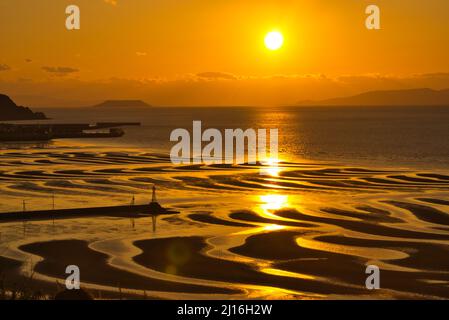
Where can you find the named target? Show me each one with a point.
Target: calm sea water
(384, 136)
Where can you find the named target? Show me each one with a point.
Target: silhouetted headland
(412, 97)
(122, 104)
(10, 111)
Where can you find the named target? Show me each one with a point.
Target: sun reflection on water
(272, 202)
(273, 227)
(271, 167)
(269, 203)
(284, 273)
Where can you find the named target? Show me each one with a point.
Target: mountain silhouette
(10, 111)
(412, 97)
(122, 104)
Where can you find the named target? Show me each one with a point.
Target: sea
(387, 136)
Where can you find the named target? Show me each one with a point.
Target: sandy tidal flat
(301, 230)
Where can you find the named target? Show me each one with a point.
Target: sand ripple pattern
(304, 230)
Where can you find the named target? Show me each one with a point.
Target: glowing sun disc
(274, 40)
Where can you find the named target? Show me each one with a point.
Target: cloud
(440, 75)
(141, 54)
(4, 67)
(111, 2)
(213, 89)
(24, 80)
(216, 75)
(60, 71)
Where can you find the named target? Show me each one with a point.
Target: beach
(306, 230)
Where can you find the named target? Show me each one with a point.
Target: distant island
(10, 111)
(412, 97)
(122, 104)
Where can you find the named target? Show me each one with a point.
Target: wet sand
(185, 257)
(302, 230)
(344, 268)
(58, 255)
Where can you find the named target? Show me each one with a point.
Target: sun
(274, 40)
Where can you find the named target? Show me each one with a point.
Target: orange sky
(211, 52)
